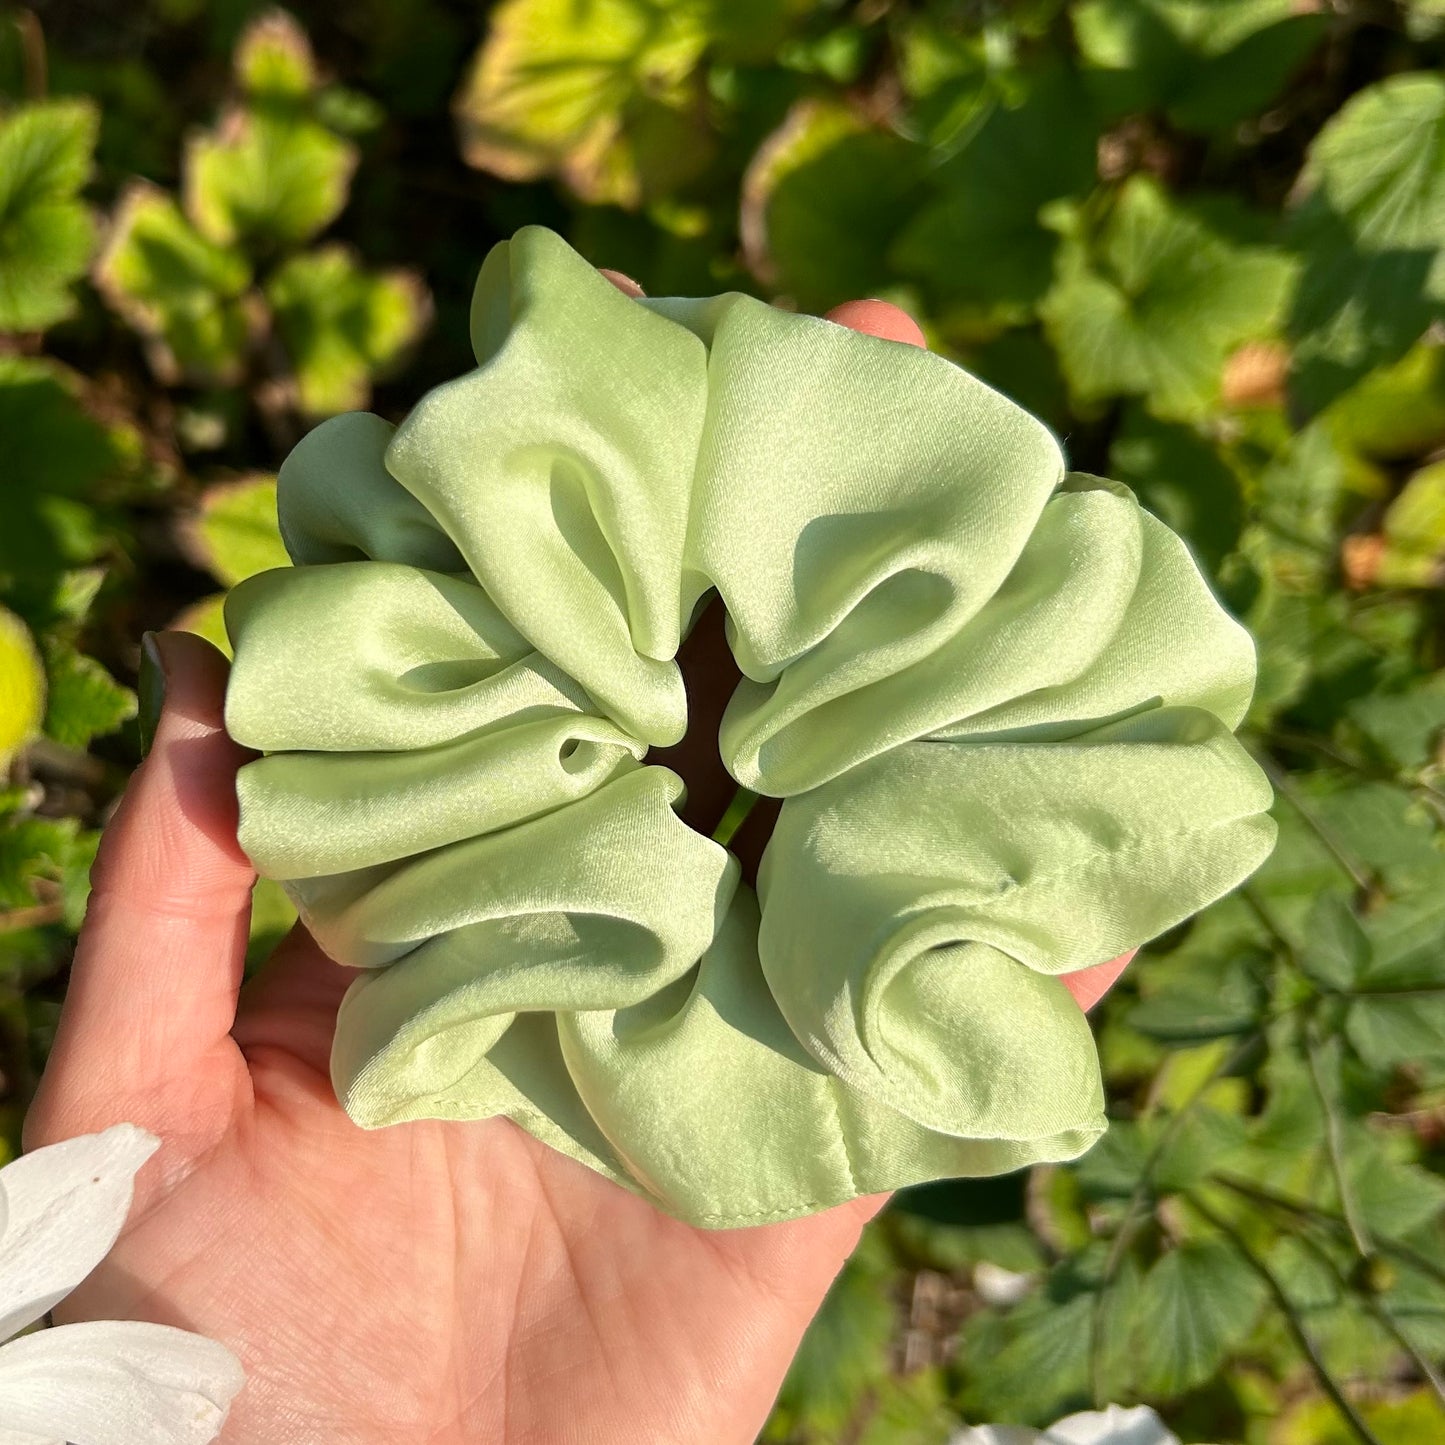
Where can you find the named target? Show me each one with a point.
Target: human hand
(430, 1282)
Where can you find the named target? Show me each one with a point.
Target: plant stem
(1303, 1209)
(1335, 1147)
(1361, 877)
(1270, 1280)
(1378, 1312)
(742, 804)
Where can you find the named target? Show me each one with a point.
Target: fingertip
(1089, 985)
(172, 844)
(623, 282)
(881, 319)
(191, 681)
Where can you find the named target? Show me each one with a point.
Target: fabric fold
(996, 699)
(1015, 862)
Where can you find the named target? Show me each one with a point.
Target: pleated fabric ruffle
(997, 700)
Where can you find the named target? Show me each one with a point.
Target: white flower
(1113, 1426)
(106, 1383)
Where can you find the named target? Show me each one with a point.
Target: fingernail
(150, 691)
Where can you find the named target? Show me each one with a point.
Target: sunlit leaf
(1153, 303)
(46, 233)
(1413, 554)
(602, 92)
(22, 686)
(343, 326)
(1207, 63)
(1397, 411)
(1371, 231)
(235, 534)
(205, 618)
(84, 700)
(823, 200)
(266, 178)
(181, 291)
(273, 59)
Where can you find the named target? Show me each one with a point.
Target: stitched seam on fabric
(833, 1082)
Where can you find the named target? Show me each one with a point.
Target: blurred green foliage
(1204, 239)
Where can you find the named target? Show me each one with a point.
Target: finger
(1089, 985)
(153, 987)
(290, 1004)
(879, 318)
(624, 283)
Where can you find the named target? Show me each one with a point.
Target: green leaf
(85, 700)
(1413, 554)
(1404, 730)
(1225, 1002)
(1196, 1306)
(179, 290)
(273, 60)
(981, 243)
(22, 687)
(1206, 63)
(1043, 1369)
(1395, 1196)
(1397, 412)
(1371, 230)
(1301, 495)
(207, 619)
(1153, 302)
(822, 202)
(267, 179)
(31, 849)
(46, 233)
(603, 93)
(911, 1410)
(343, 326)
(1408, 1028)
(57, 459)
(1336, 949)
(1183, 480)
(235, 534)
(272, 917)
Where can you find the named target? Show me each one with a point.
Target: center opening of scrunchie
(710, 674)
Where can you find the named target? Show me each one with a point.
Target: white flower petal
(64, 1207)
(1112, 1426)
(17, 1437)
(118, 1383)
(988, 1435)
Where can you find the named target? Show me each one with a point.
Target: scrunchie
(997, 700)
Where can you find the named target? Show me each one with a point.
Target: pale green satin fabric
(997, 700)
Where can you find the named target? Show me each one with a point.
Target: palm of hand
(437, 1282)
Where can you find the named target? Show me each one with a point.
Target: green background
(1203, 239)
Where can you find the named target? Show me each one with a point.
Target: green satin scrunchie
(997, 700)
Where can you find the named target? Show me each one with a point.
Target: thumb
(152, 992)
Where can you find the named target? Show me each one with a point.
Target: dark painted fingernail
(150, 691)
